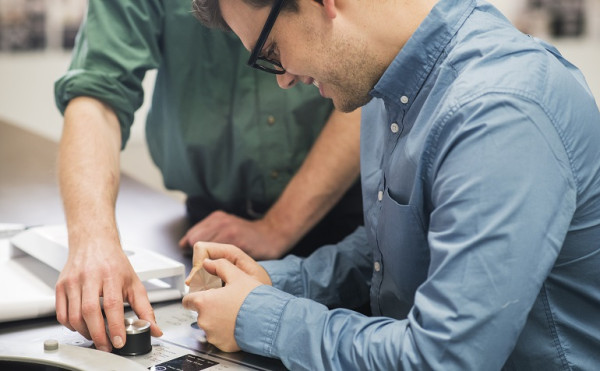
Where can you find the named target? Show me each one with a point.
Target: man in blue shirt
(481, 186)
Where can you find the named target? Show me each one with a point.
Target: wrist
(280, 233)
(93, 234)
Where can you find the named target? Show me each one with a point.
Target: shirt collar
(406, 74)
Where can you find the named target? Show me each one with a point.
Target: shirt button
(404, 99)
(271, 120)
(380, 195)
(377, 266)
(394, 128)
(274, 174)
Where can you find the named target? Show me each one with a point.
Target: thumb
(223, 269)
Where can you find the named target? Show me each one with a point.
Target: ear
(330, 8)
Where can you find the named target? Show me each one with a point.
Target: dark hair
(209, 11)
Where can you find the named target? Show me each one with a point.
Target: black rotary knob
(138, 338)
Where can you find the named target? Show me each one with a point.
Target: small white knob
(50, 345)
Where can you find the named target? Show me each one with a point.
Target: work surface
(29, 195)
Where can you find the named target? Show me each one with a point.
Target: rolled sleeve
(117, 43)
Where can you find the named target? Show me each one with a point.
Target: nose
(286, 80)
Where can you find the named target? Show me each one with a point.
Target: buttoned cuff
(258, 320)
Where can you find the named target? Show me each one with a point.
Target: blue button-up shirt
(480, 165)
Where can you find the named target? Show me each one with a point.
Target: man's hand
(329, 170)
(259, 238)
(214, 251)
(96, 267)
(218, 308)
(99, 272)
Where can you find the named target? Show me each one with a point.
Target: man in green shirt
(226, 135)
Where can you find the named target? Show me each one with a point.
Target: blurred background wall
(36, 37)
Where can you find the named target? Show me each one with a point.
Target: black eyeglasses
(256, 60)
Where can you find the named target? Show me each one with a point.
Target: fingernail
(118, 342)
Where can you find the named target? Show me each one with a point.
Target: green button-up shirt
(217, 129)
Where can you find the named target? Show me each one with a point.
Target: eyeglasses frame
(262, 39)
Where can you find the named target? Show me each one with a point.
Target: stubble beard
(355, 77)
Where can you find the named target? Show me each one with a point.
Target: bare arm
(96, 266)
(89, 168)
(328, 171)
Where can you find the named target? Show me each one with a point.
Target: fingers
(138, 300)
(183, 241)
(205, 230)
(113, 309)
(214, 250)
(233, 254)
(204, 250)
(75, 316)
(62, 314)
(223, 269)
(218, 308)
(190, 301)
(217, 313)
(232, 233)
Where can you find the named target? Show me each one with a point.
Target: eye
(272, 52)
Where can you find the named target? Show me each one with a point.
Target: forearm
(331, 167)
(88, 169)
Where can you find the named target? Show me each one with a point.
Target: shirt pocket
(404, 256)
